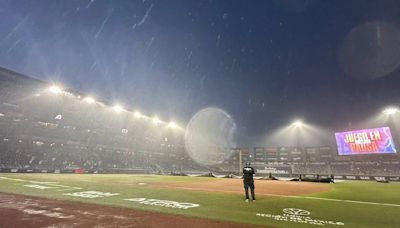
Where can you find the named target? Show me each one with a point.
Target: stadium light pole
(240, 162)
(392, 122)
(172, 125)
(117, 108)
(89, 100)
(298, 124)
(156, 120)
(55, 89)
(390, 111)
(137, 114)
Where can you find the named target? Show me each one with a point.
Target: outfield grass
(225, 206)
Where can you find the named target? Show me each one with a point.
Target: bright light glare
(137, 114)
(55, 89)
(390, 111)
(117, 108)
(89, 100)
(298, 123)
(156, 120)
(172, 125)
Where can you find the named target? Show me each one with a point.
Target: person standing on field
(248, 181)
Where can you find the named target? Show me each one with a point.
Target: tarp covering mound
(235, 176)
(179, 174)
(266, 178)
(206, 174)
(323, 179)
(220, 176)
(315, 179)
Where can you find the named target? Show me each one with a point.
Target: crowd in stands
(40, 129)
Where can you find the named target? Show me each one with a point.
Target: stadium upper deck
(42, 126)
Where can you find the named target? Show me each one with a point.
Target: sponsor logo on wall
(364, 178)
(394, 178)
(351, 177)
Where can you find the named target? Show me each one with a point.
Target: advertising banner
(366, 141)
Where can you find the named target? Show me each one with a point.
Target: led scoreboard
(365, 141)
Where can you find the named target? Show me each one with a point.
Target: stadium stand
(60, 131)
(43, 130)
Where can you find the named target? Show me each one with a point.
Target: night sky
(264, 62)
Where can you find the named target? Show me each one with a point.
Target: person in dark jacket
(248, 181)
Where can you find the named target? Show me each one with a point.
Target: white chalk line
(299, 197)
(52, 184)
(68, 189)
(348, 201)
(14, 179)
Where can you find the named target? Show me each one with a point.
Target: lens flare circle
(371, 51)
(209, 136)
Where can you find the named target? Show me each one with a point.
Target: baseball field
(89, 200)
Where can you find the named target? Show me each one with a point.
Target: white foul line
(53, 184)
(301, 197)
(349, 201)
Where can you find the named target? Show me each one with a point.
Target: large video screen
(365, 141)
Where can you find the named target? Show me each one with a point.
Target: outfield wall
(351, 177)
(78, 171)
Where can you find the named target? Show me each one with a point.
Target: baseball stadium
(71, 161)
(199, 113)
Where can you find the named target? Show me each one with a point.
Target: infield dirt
(23, 211)
(262, 187)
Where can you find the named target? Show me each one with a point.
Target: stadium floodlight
(172, 125)
(117, 108)
(55, 89)
(390, 111)
(137, 114)
(89, 100)
(156, 120)
(298, 123)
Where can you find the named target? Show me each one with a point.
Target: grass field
(347, 204)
